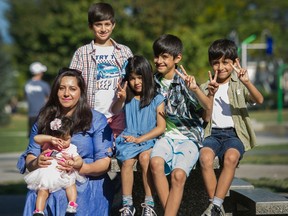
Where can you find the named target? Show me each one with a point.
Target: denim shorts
(222, 139)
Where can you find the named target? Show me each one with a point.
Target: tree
(51, 30)
(7, 87)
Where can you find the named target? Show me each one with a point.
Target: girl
(144, 113)
(50, 179)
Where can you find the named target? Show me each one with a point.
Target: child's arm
(121, 95)
(41, 139)
(155, 132)
(76, 163)
(190, 81)
(255, 95)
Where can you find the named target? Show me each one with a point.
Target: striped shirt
(84, 60)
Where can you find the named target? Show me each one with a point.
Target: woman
(93, 138)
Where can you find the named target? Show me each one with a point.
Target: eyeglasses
(66, 69)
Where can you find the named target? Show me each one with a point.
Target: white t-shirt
(221, 115)
(108, 74)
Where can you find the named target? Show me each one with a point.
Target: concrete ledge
(259, 202)
(239, 184)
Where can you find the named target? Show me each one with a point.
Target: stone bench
(250, 202)
(241, 199)
(195, 198)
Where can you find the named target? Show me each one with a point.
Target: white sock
(217, 201)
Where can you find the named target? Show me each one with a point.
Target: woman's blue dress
(95, 196)
(138, 122)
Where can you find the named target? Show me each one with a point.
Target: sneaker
(72, 207)
(147, 210)
(38, 213)
(214, 210)
(217, 211)
(127, 211)
(207, 212)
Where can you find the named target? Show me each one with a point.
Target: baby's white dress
(51, 177)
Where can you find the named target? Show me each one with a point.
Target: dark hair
(82, 116)
(222, 48)
(65, 129)
(168, 43)
(99, 12)
(140, 65)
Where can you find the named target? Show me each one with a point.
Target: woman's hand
(42, 161)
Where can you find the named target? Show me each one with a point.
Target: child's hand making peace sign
(241, 72)
(213, 86)
(121, 93)
(189, 80)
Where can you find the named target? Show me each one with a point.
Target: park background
(50, 31)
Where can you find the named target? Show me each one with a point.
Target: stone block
(259, 202)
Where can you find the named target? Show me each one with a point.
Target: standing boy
(102, 63)
(178, 151)
(36, 91)
(228, 133)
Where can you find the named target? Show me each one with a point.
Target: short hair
(140, 65)
(222, 48)
(168, 43)
(99, 12)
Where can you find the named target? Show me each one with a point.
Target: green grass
(271, 154)
(275, 185)
(265, 159)
(13, 137)
(268, 116)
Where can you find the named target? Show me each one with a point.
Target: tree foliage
(7, 87)
(50, 30)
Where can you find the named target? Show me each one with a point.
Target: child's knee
(156, 164)
(206, 158)
(128, 163)
(178, 177)
(231, 158)
(144, 158)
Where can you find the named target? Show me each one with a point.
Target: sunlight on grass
(13, 137)
(265, 159)
(270, 116)
(275, 185)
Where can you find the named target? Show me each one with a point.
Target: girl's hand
(241, 72)
(213, 86)
(121, 93)
(189, 80)
(57, 143)
(131, 139)
(66, 163)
